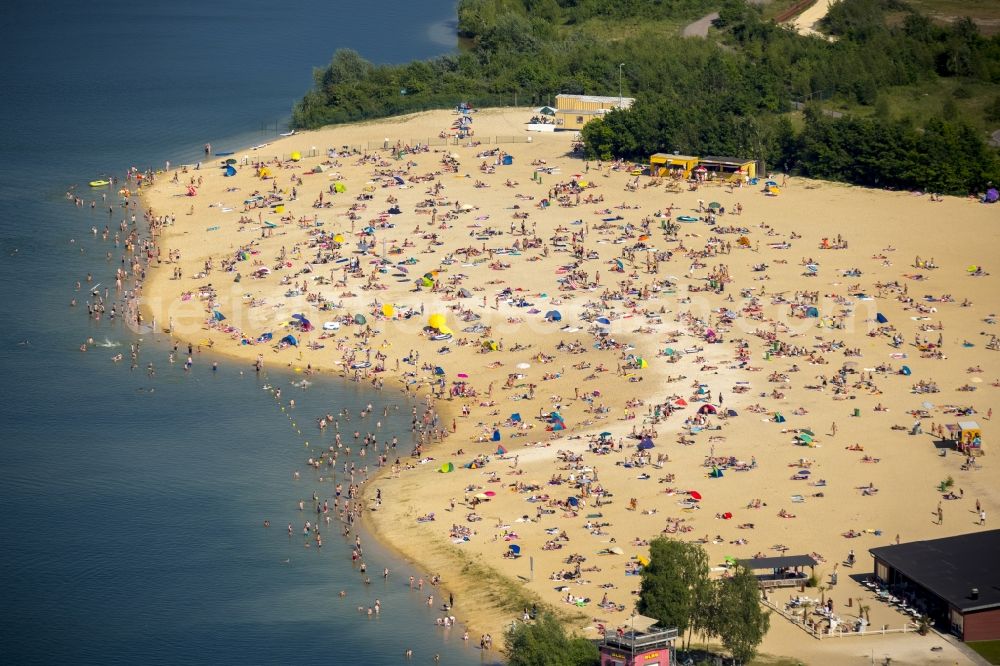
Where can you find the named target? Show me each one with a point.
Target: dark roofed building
(784, 570)
(957, 579)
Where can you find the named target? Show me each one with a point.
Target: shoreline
(655, 313)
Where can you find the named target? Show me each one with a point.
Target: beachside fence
(842, 631)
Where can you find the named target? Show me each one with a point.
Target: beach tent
(716, 473)
(514, 548)
(218, 316)
(812, 312)
(438, 370)
(447, 468)
(732, 412)
(646, 443)
(881, 318)
(778, 418)
(805, 438)
(515, 417)
(264, 172)
(191, 191)
(339, 187)
(496, 436)
(491, 345)
(230, 170)
(992, 196)
(501, 451)
(464, 293)
(266, 337)
(290, 339)
(707, 409)
(905, 370)
(553, 315)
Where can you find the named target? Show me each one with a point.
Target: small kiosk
(639, 642)
(662, 164)
(967, 435)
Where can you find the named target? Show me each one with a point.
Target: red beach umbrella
(695, 495)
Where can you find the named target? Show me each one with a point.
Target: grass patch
(504, 592)
(922, 101)
(986, 13)
(988, 650)
(702, 653)
(605, 30)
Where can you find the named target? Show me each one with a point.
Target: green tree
(675, 585)
(545, 643)
(739, 620)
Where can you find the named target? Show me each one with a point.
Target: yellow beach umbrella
(436, 320)
(296, 156)
(388, 310)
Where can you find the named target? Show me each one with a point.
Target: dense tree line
(678, 591)
(544, 642)
(731, 94)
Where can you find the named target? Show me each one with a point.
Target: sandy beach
(586, 298)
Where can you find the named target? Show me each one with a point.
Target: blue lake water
(132, 506)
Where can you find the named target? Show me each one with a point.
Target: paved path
(700, 27)
(804, 22)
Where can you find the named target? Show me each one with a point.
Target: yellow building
(729, 165)
(575, 111)
(661, 164)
